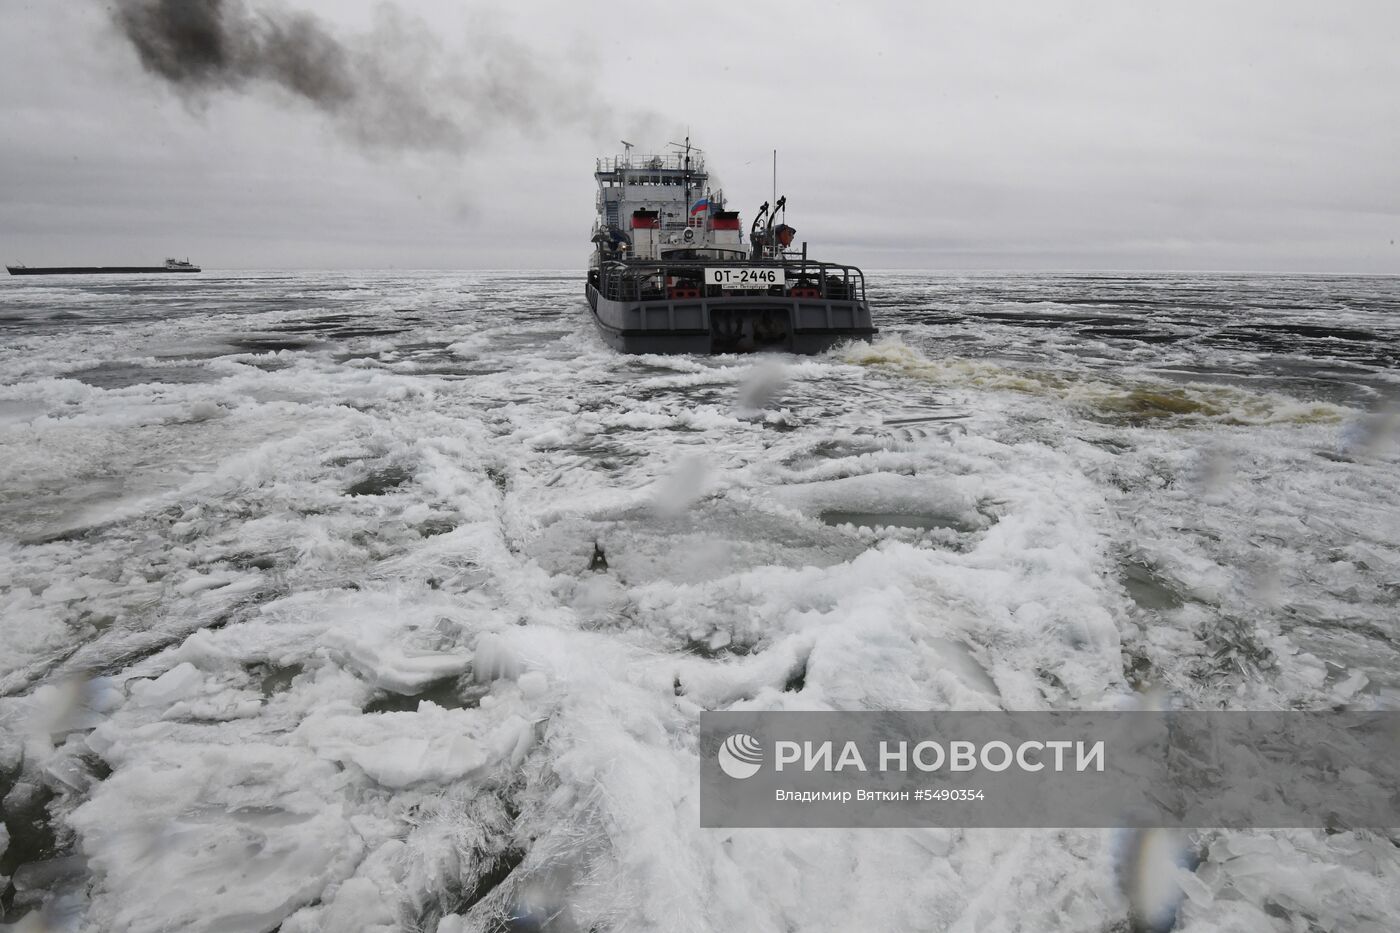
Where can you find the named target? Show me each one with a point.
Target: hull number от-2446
(744, 277)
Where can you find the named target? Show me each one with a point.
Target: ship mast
(685, 175)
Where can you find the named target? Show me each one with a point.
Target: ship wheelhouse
(649, 205)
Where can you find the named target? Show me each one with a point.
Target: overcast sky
(1029, 135)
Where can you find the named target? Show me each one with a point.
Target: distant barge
(171, 265)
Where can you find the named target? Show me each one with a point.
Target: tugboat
(171, 265)
(670, 272)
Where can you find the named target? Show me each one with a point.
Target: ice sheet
(363, 604)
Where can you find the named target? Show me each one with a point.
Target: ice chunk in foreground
(381, 654)
(179, 683)
(213, 837)
(433, 744)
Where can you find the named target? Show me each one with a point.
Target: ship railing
(674, 161)
(633, 280)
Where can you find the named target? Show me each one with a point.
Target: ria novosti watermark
(1132, 769)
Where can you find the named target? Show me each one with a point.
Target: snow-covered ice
(391, 601)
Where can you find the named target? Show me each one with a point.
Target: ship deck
(644, 306)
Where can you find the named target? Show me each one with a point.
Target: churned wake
(392, 601)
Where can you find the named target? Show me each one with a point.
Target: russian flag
(701, 205)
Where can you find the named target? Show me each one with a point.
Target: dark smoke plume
(394, 88)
